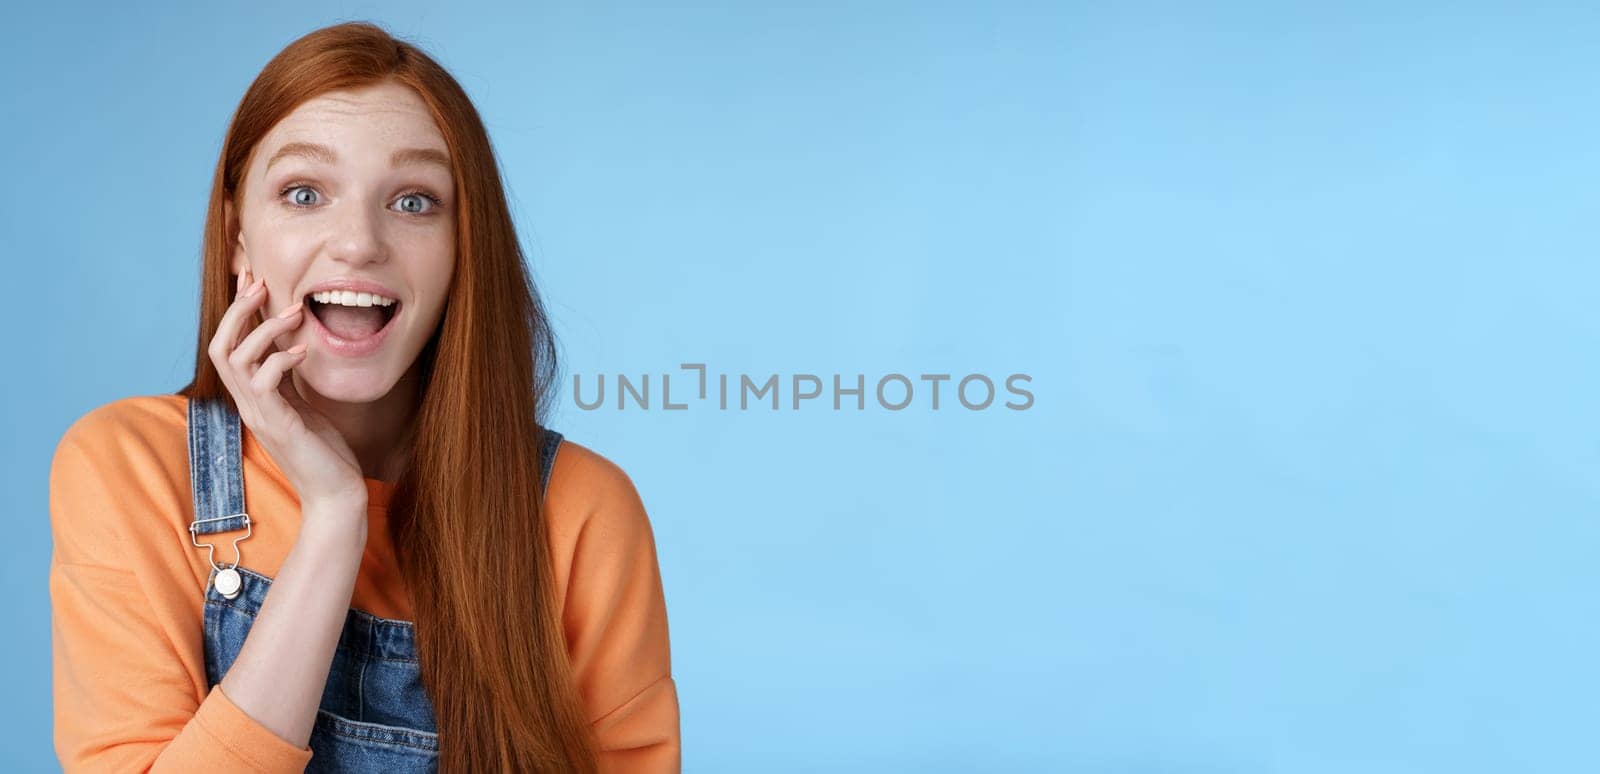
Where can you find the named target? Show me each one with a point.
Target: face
(353, 188)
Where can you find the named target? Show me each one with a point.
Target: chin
(349, 384)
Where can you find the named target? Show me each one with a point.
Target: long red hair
(467, 508)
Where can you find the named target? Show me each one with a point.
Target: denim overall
(375, 714)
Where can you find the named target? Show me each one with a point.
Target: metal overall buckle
(226, 581)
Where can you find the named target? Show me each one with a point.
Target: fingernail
(291, 311)
(297, 349)
(255, 286)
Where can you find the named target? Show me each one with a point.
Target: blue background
(1307, 296)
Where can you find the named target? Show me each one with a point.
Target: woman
(453, 586)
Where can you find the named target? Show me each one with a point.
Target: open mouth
(352, 323)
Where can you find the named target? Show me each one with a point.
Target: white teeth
(351, 298)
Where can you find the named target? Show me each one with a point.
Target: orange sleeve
(616, 622)
(125, 696)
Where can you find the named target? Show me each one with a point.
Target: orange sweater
(127, 587)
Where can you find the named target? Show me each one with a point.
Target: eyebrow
(323, 153)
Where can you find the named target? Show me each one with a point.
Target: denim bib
(375, 715)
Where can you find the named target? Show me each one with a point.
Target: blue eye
(299, 200)
(421, 196)
(412, 201)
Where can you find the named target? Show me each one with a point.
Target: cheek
(281, 246)
(429, 275)
(440, 279)
(438, 271)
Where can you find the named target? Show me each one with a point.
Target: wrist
(335, 520)
(346, 505)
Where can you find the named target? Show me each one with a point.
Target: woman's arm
(282, 668)
(128, 672)
(616, 614)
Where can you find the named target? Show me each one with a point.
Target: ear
(238, 260)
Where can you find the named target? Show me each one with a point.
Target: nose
(357, 238)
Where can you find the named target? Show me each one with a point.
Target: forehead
(365, 124)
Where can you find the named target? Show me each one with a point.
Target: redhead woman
(350, 543)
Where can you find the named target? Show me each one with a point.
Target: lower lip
(349, 347)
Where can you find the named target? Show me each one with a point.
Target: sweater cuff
(244, 738)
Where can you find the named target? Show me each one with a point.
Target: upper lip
(354, 285)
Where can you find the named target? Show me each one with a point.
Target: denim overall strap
(216, 468)
(547, 457)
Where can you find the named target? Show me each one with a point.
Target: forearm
(282, 668)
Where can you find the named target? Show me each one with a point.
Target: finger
(268, 380)
(221, 343)
(256, 344)
(228, 328)
(227, 336)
